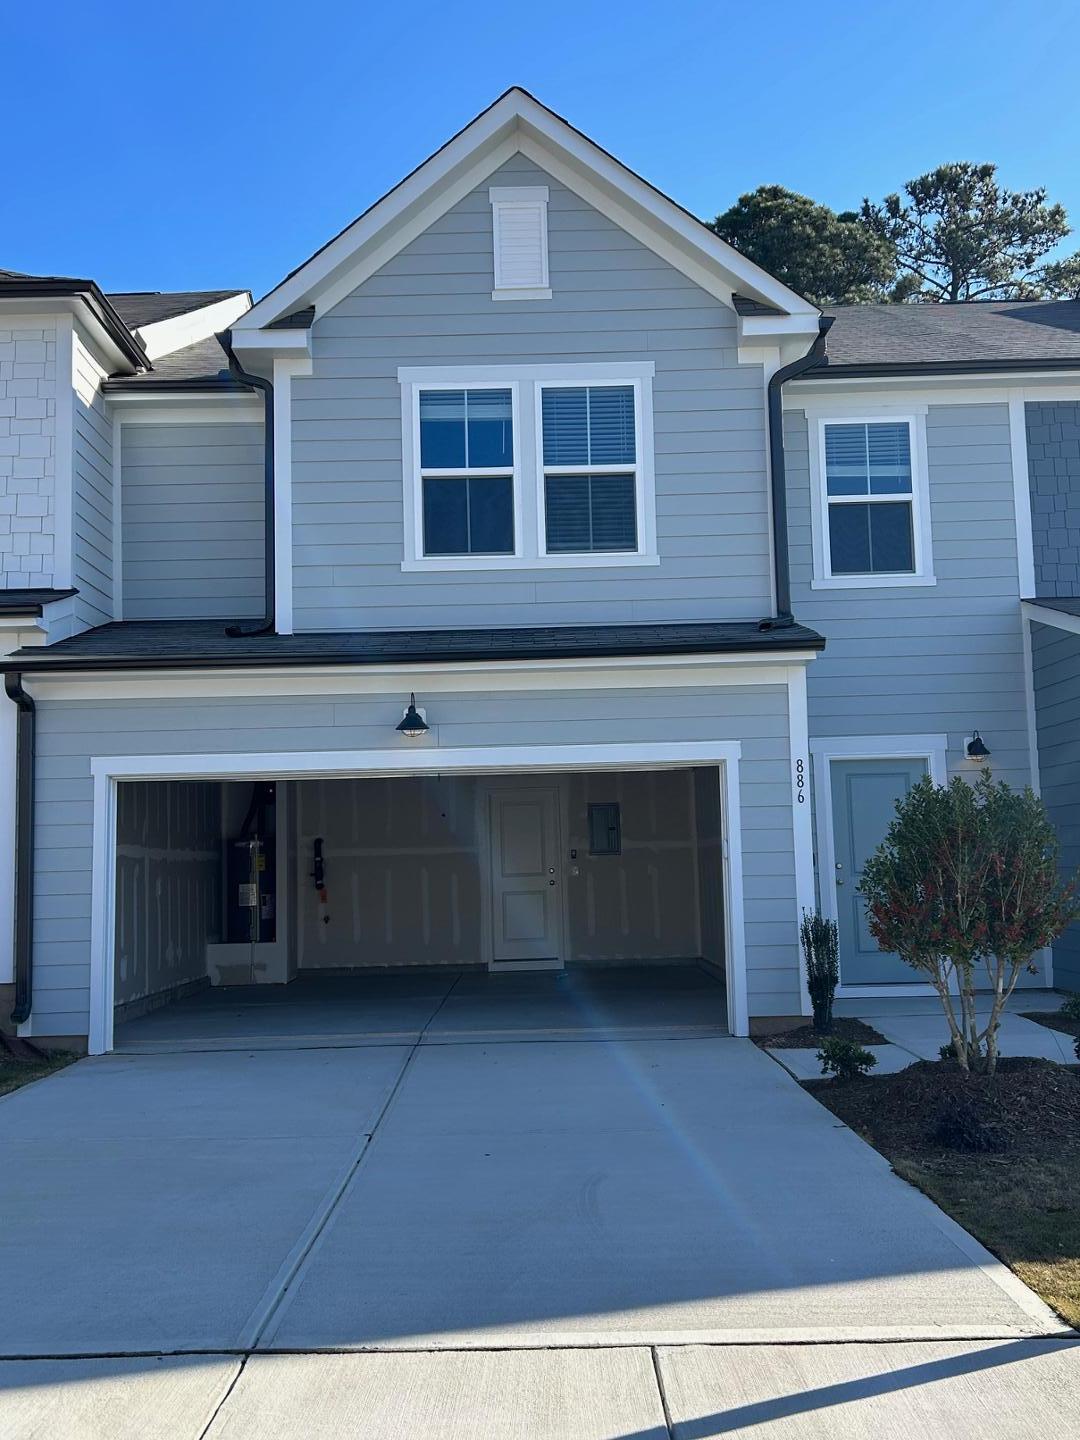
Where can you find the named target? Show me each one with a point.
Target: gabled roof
(148, 307)
(202, 366)
(969, 336)
(517, 122)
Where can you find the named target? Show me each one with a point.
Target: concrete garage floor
(438, 1006)
(503, 1239)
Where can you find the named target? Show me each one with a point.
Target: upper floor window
(528, 466)
(590, 468)
(467, 471)
(870, 504)
(519, 233)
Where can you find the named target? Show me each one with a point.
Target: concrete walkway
(539, 1238)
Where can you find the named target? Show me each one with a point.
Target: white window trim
(524, 197)
(931, 748)
(923, 574)
(526, 384)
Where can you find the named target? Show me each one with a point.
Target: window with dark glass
(590, 469)
(869, 498)
(466, 471)
(605, 829)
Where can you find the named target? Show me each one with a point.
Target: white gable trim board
(517, 123)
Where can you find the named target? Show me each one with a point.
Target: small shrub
(821, 948)
(845, 1059)
(1070, 1008)
(963, 1125)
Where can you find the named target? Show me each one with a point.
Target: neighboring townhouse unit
(528, 580)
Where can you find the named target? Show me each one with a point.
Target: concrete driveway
(586, 1237)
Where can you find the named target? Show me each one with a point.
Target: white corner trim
(284, 371)
(164, 336)
(801, 816)
(1028, 661)
(1025, 545)
(403, 760)
(64, 455)
(117, 519)
(922, 533)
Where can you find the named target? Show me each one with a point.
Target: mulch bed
(807, 1038)
(1021, 1194)
(1053, 1020)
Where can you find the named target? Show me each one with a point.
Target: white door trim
(932, 749)
(109, 770)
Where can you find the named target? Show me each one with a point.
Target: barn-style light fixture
(976, 748)
(412, 723)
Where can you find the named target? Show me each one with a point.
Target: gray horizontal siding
(1056, 667)
(70, 733)
(613, 299)
(946, 658)
(92, 497)
(192, 516)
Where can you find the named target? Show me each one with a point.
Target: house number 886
(800, 781)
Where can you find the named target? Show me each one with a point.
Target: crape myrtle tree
(965, 888)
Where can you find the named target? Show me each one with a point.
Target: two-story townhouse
(436, 610)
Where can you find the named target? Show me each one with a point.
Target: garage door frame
(110, 771)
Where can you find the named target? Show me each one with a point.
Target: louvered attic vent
(519, 229)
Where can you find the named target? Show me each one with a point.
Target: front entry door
(864, 796)
(526, 902)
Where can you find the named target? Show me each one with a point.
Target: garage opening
(319, 909)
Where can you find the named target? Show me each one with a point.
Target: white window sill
(600, 561)
(870, 582)
(535, 292)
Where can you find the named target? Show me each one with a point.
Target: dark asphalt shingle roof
(202, 364)
(147, 307)
(298, 320)
(30, 602)
(161, 644)
(1066, 606)
(955, 336)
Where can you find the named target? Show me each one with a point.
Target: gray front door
(864, 795)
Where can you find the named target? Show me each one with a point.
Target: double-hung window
(517, 466)
(873, 526)
(590, 469)
(467, 471)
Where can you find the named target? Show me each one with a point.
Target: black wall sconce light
(412, 723)
(976, 747)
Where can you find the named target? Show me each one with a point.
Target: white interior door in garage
(526, 878)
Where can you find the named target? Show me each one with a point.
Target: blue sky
(200, 145)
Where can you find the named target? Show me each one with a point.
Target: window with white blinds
(513, 466)
(590, 468)
(873, 516)
(520, 242)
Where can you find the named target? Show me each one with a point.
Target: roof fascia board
(1045, 615)
(1018, 372)
(517, 123)
(83, 299)
(273, 344)
(937, 390)
(101, 339)
(162, 337)
(488, 130)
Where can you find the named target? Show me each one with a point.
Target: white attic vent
(519, 227)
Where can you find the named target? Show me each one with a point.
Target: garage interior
(327, 910)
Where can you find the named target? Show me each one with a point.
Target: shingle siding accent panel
(192, 508)
(70, 733)
(28, 382)
(1056, 668)
(1053, 445)
(613, 299)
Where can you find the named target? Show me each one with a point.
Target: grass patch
(16, 1073)
(1022, 1201)
(807, 1038)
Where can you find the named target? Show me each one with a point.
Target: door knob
(551, 882)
